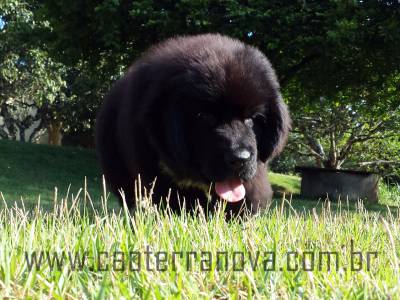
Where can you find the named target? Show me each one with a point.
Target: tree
(347, 98)
(31, 83)
(335, 59)
(319, 44)
(336, 131)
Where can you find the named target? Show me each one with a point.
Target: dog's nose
(238, 157)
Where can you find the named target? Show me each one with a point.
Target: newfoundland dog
(198, 116)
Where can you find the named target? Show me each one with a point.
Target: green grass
(288, 184)
(389, 193)
(77, 224)
(27, 171)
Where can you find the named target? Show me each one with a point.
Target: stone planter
(343, 184)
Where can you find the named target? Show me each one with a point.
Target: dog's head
(224, 114)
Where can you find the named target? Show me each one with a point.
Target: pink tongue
(230, 190)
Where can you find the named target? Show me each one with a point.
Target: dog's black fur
(181, 113)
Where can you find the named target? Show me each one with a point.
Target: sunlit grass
(65, 209)
(78, 225)
(282, 183)
(389, 193)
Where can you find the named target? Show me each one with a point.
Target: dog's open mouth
(231, 190)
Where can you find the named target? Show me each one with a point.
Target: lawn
(28, 171)
(86, 247)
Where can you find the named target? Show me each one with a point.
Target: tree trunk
(54, 132)
(21, 134)
(318, 162)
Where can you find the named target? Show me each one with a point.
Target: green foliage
(348, 128)
(27, 73)
(32, 84)
(312, 41)
(333, 58)
(31, 77)
(381, 156)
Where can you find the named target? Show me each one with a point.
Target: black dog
(199, 114)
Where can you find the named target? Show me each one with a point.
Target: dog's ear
(272, 129)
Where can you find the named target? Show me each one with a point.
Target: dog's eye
(249, 122)
(207, 118)
(260, 117)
